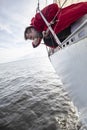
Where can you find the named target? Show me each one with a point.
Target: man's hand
(46, 33)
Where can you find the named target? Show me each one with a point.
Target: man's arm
(49, 13)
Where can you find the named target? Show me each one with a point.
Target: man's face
(32, 34)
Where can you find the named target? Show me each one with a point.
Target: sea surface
(32, 97)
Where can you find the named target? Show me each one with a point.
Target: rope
(58, 12)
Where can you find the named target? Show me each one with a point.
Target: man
(61, 19)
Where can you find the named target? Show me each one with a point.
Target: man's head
(31, 33)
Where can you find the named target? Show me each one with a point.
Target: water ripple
(32, 98)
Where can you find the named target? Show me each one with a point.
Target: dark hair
(27, 29)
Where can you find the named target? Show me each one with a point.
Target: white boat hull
(70, 64)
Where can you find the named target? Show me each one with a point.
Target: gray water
(32, 97)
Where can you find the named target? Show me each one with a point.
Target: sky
(15, 16)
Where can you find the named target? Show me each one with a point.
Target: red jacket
(67, 16)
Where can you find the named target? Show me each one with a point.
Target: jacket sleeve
(49, 13)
